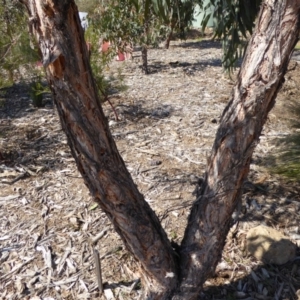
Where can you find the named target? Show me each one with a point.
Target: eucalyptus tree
(234, 25)
(125, 23)
(176, 15)
(16, 48)
(118, 22)
(167, 272)
(146, 23)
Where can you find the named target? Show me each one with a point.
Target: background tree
(234, 25)
(167, 273)
(177, 16)
(125, 23)
(117, 22)
(16, 48)
(234, 22)
(146, 23)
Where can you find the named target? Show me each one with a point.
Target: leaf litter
(50, 228)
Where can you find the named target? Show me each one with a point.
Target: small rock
(270, 246)
(112, 123)
(298, 294)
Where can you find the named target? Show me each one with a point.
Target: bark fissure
(94, 149)
(56, 26)
(259, 81)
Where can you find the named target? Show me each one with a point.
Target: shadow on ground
(188, 68)
(204, 44)
(264, 282)
(137, 112)
(15, 101)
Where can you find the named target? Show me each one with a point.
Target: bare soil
(50, 226)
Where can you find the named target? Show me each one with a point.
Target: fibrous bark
(258, 82)
(56, 25)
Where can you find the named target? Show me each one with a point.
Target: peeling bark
(259, 80)
(56, 25)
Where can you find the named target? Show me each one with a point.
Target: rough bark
(145, 47)
(254, 94)
(56, 25)
(145, 59)
(169, 37)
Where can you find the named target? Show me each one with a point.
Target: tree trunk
(254, 94)
(145, 46)
(56, 25)
(145, 59)
(169, 37)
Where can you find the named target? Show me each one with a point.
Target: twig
(278, 294)
(23, 175)
(71, 176)
(193, 161)
(149, 169)
(107, 99)
(18, 267)
(68, 280)
(148, 151)
(13, 247)
(98, 270)
(99, 236)
(114, 110)
(9, 197)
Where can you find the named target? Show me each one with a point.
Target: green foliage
(37, 89)
(234, 24)
(184, 15)
(163, 8)
(287, 162)
(36, 94)
(121, 23)
(125, 23)
(297, 47)
(147, 22)
(234, 20)
(177, 14)
(142, 22)
(99, 62)
(2, 97)
(16, 48)
(87, 5)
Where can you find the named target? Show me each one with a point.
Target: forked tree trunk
(56, 25)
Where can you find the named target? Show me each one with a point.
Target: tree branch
(259, 80)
